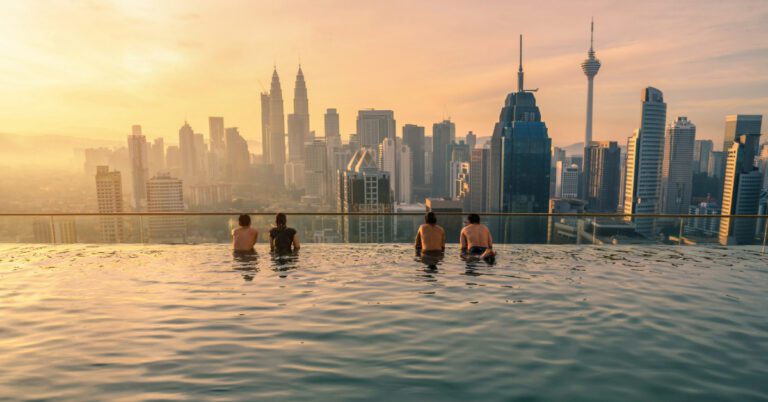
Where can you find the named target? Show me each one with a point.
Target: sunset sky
(94, 68)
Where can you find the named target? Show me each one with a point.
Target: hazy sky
(94, 68)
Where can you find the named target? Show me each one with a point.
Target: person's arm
(296, 244)
(490, 239)
(442, 239)
(234, 244)
(417, 243)
(463, 241)
(255, 237)
(271, 242)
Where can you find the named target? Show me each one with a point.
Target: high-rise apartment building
(373, 126)
(471, 140)
(479, 177)
(316, 175)
(413, 137)
(520, 159)
(217, 157)
(298, 121)
(109, 199)
(741, 192)
(164, 194)
(238, 157)
(740, 124)
(677, 172)
(157, 156)
(365, 188)
(395, 158)
(443, 136)
(187, 149)
(216, 134)
(645, 152)
(138, 156)
(602, 171)
(569, 181)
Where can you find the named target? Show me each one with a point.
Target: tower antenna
(520, 69)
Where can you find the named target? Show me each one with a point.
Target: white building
(164, 194)
(741, 192)
(395, 158)
(569, 181)
(316, 177)
(373, 126)
(138, 156)
(109, 199)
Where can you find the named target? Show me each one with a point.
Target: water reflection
(284, 262)
(247, 262)
(474, 262)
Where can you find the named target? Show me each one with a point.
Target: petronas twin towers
(273, 133)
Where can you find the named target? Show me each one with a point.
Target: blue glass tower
(520, 161)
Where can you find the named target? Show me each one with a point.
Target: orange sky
(94, 68)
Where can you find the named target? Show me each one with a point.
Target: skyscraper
(188, 153)
(520, 163)
(716, 164)
(740, 124)
(216, 133)
(316, 176)
(471, 140)
(373, 126)
(139, 162)
(443, 135)
(217, 156)
(109, 199)
(413, 137)
(157, 156)
(238, 157)
(479, 177)
(645, 152)
(590, 66)
(164, 194)
(676, 172)
(568, 181)
(266, 147)
(365, 188)
(741, 192)
(276, 126)
(298, 121)
(701, 150)
(395, 159)
(602, 165)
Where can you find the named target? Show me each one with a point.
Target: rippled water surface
(342, 322)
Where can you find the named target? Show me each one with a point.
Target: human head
(473, 218)
(280, 220)
(430, 218)
(244, 220)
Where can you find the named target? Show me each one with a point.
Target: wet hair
(244, 220)
(430, 218)
(281, 221)
(473, 218)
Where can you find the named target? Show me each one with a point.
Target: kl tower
(590, 66)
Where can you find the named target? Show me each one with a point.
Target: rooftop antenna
(592, 35)
(520, 69)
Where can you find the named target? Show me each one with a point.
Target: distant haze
(91, 69)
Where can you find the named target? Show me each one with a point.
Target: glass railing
(509, 228)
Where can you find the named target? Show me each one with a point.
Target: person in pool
(244, 237)
(282, 239)
(476, 239)
(430, 239)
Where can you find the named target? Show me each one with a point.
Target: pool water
(373, 322)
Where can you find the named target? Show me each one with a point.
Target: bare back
(430, 238)
(244, 238)
(476, 235)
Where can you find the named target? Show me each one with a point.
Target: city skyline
(159, 83)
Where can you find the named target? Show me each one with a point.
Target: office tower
(276, 126)
(164, 194)
(520, 163)
(558, 155)
(332, 135)
(139, 162)
(293, 175)
(458, 152)
(109, 199)
(741, 192)
(622, 182)
(590, 66)
(373, 126)
(157, 156)
(354, 141)
(645, 152)
(602, 165)
(569, 181)
(676, 171)
(173, 160)
(216, 134)
(479, 176)
(238, 157)
(208, 195)
(702, 225)
(762, 164)
(716, 164)
(201, 158)
(365, 188)
(266, 147)
(428, 146)
(701, 151)
(316, 175)
(187, 151)
(395, 158)
(443, 135)
(298, 121)
(413, 137)
(471, 140)
(740, 124)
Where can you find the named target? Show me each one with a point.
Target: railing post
(594, 231)
(765, 234)
(141, 229)
(680, 234)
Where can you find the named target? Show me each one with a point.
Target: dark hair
(244, 220)
(473, 218)
(430, 218)
(280, 220)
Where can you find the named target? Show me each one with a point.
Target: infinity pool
(370, 322)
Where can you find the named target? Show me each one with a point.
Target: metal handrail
(503, 214)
